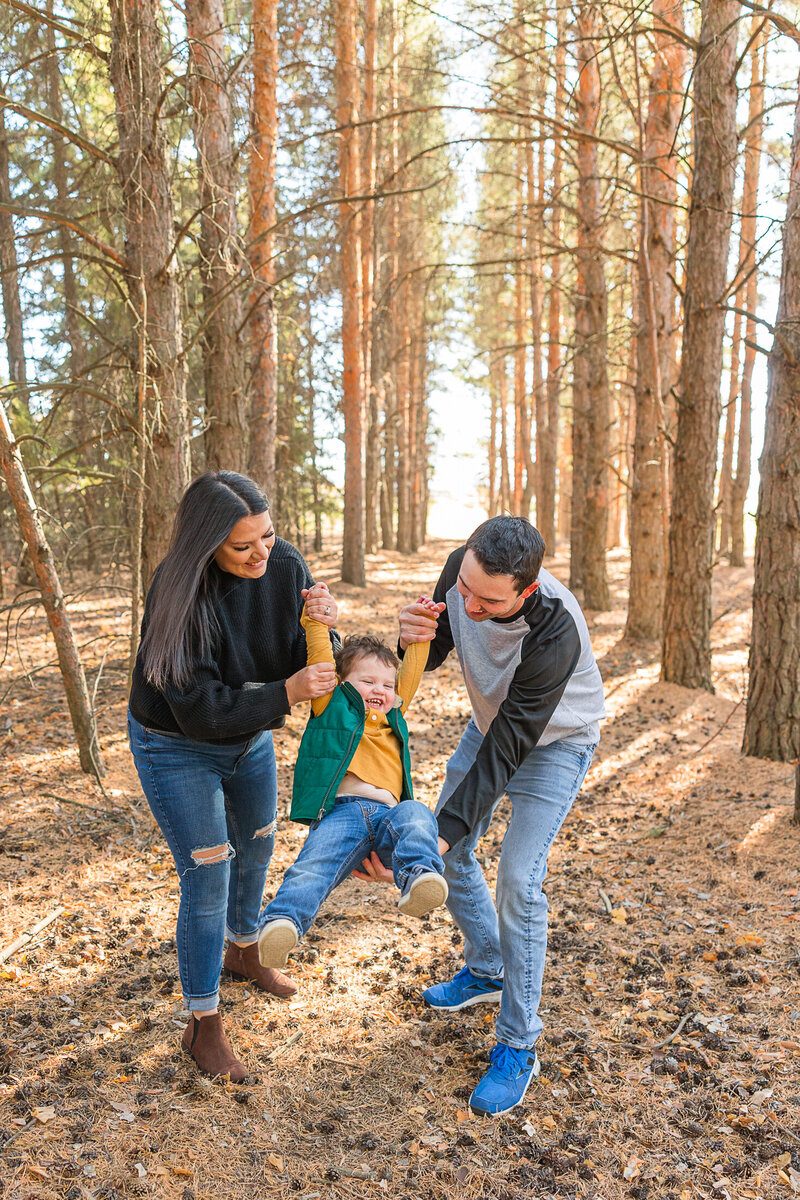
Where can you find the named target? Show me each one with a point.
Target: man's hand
(443, 846)
(320, 604)
(373, 871)
(418, 621)
(311, 682)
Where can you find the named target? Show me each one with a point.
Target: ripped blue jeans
(216, 807)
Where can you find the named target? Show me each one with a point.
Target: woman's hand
(311, 682)
(320, 604)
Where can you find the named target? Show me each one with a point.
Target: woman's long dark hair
(181, 622)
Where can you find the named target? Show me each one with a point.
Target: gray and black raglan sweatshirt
(532, 679)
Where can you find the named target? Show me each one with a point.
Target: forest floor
(671, 1052)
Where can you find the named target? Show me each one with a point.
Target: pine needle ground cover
(671, 1054)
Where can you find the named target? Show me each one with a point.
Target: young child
(352, 784)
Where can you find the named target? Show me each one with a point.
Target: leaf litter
(671, 1053)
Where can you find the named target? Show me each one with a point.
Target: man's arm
(522, 718)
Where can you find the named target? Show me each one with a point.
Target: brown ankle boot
(242, 963)
(204, 1038)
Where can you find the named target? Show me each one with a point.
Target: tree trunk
(547, 435)
(227, 430)
(84, 419)
(368, 260)
(590, 417)
(729, 436)
(261, 184)
(747, 263)
(649, 498)
(69, 661)
(772, 722)
(419, 400)
(388, 485)
(145, 177)
(12, 308)
(502, 400)
(522, 420)
(686, 657)
(389, 477)
(534, 177)
(491, 497)
(401, 358)
(350, 276)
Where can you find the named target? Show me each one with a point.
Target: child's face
(374, 681)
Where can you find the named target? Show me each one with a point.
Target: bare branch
(38, 118)
(54, 218)
(43, 18)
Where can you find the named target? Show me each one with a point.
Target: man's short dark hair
(508, 546)
(363, 646)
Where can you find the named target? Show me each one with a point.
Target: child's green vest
(326, 751)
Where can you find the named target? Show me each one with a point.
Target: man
(537, 699)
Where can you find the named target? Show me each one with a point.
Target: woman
(221, 662)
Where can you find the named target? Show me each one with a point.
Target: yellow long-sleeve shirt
(377, 759)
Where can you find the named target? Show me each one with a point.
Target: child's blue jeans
(404, 837)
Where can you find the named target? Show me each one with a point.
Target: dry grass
(689, 844)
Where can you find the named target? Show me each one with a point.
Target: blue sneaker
(506, 1082)
(463, 990)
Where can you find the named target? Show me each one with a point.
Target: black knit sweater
(240, 688)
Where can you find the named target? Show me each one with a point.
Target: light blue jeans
(403, 835)
(204, 798)
(510, 940)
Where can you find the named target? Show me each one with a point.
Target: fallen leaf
(276, 1160)
(43, 1114)
(749, 939)
(35, 1170)
(633, 1168)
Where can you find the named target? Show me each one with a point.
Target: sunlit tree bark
(226, 434)
(547, 432)
(772, 722)
(12, 309)
(263, 326)
(145, 178)
(350, 278)
(686, 656)
(590, 377)
(649, 496)
(368, 264)
(748, 265)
